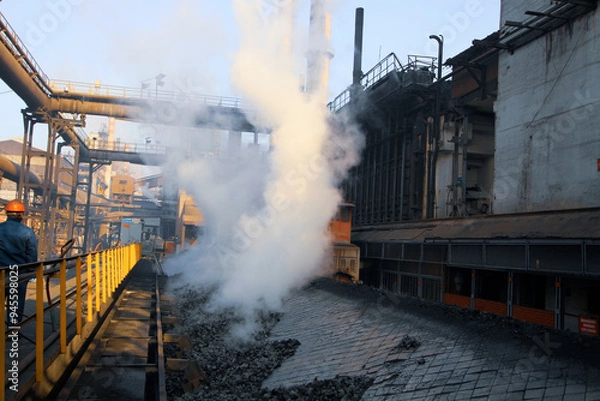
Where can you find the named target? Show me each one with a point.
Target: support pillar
(509, 294)
(43, 200)
(473, 282)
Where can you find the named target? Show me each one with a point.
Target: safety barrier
(94, 277)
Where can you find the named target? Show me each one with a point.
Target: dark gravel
(235, 370)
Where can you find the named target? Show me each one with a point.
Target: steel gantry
(51, 210)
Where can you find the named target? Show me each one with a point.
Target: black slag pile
(235, 370)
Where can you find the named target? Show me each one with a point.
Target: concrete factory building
(481, 188)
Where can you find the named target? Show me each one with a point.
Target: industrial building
(478, 188)
(481, 188)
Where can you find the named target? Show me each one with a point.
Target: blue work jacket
(18, 244)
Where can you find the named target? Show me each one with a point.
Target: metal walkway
(91, 328)
(125, 360)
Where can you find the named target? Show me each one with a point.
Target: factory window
(530, 290)
(492, 285)
(458, 281)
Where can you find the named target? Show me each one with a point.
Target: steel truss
(51, 203)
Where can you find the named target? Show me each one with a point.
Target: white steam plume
(267, 215)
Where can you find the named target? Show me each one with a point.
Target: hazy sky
(193, 42)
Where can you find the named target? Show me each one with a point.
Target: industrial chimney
(319, 53)
(358, 49)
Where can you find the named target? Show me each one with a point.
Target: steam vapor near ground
(266, 215)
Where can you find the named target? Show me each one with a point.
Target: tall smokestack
(288, 12)
(358, 45)
(319, 53)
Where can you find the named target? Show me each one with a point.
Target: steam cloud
(266, 215)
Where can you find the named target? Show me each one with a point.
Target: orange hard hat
(15, 206)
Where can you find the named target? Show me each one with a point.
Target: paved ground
(416, 350)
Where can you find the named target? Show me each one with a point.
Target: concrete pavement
(416, 350)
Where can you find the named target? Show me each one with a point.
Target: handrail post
(97, 291)
(78, 313)
(115, 265)
(121, 271)
(63, 306)
(112, 272)
(39, 323)
(89, 287)
(104, 275)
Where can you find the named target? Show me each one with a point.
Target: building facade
(495, 209)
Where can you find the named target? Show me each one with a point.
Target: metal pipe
(435, 134)
(440, 40)
(12, 171)
(19, 80)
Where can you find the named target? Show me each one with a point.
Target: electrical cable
(557, 79)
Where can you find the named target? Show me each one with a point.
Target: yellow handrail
(105, 270)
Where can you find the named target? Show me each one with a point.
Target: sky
(193, 42)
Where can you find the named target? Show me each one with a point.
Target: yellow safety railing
(87, 281)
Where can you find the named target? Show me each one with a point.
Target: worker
(18, 246)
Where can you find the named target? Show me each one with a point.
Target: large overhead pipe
(11, 171)
(19, 80)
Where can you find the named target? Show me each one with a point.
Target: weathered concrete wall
(548, 120)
